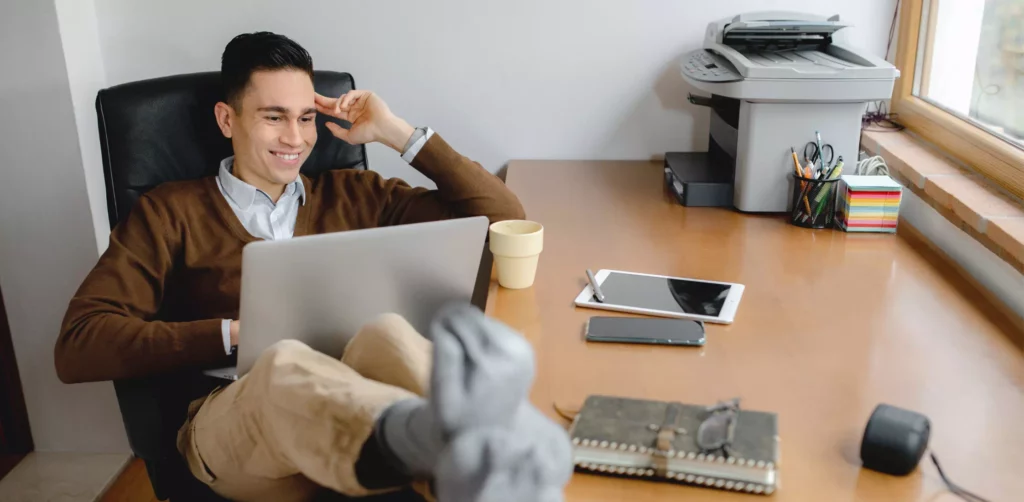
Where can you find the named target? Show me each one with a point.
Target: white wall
(47, 237)
(80, 40)
(991, 271)
(568, 79)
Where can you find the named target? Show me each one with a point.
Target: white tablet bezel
(586, 299)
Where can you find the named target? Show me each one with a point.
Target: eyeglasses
(717, 431)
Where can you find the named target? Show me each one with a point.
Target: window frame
(993, 157)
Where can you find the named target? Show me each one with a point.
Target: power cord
(880, 119)
(872, 166)
(953, 487)
(892, 28)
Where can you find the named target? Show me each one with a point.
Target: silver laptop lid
(321, 289)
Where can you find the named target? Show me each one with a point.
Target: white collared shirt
(264, 219)
(260, 216)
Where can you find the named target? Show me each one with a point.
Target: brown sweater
(155, 300)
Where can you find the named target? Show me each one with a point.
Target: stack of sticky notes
(868, 203)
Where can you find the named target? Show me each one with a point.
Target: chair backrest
(159, 130)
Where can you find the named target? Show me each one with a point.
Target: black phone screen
(666, 295)
(646, 330)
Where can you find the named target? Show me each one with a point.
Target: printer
(774, 78)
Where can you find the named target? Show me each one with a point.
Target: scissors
(812, 154)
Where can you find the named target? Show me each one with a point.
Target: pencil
(809, 173)
(796, 162)
(803, 195)
(800, 174)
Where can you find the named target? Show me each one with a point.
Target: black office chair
(160, 130)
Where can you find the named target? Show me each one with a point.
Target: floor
(7, 462)
(131, 486)
(62, 477)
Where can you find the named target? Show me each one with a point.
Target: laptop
(322, 289)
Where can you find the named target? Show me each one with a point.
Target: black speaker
(894, 440)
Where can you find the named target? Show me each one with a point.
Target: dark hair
(252, 52)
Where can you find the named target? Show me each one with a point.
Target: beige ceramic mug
(516, 246)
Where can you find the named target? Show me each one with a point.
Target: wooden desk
(830, 325)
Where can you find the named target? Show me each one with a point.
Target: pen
(836, 170)
(822, 197)
(821, 205)
(833, 174)
(598, 295)
(821, 153)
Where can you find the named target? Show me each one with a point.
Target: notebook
(620, 436)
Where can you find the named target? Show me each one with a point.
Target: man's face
(274, 130)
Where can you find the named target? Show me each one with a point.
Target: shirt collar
(244, 194)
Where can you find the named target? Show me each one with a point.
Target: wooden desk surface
(830, 325)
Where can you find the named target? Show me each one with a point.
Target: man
(164, 297)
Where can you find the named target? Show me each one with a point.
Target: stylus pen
(821, 153)
(593, 284)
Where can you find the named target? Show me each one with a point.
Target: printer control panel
(705, 66)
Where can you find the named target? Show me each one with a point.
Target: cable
(570, 416)
(880, 119)
(953, 487)
(892, 28)
(872, 166)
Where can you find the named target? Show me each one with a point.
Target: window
(962, 82)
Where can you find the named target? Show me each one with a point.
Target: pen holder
(814, 202)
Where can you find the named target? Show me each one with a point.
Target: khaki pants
(298, 420)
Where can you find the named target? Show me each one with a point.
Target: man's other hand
(370, 116)
(234, 332)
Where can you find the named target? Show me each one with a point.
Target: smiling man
(164, 298)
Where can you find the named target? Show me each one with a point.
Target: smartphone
(664, 296)
(646, 330)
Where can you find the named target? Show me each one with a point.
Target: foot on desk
(481, 375)
(531, 461)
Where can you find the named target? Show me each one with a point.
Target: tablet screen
(667, 295)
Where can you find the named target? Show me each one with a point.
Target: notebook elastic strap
(666, 436)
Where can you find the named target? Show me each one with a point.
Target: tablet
(664, 296)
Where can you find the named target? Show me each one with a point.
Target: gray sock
(409, 434)
(481, 374)
(532, 461)
(482, 369)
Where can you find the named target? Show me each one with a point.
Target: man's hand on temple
(235, 326)
(370, 116)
